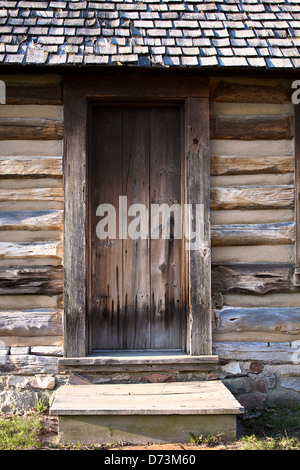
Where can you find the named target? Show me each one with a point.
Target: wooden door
(135, 297)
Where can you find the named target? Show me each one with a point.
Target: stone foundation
(29, 376)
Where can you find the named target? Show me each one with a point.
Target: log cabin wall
(31, 215)
(256, 301)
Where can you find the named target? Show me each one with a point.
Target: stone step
(144, 413)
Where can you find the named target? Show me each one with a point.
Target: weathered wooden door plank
(165, 188)
(106, 253)
(136, 251)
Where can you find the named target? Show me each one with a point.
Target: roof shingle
(167, 33)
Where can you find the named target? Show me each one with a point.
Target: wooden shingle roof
(162, 33)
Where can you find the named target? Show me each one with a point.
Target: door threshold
(138, 360)
(136, 352)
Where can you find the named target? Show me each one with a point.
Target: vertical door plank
(136, 276)
(198, 174)
(106, 256)
(165, 266)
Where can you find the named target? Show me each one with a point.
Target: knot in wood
(260, 287)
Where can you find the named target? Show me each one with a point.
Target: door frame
(80, 91)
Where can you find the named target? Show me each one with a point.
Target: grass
(20, 432)
(274, 428)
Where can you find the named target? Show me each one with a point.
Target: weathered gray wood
(31, 220)
(255, 216)
(145, 412)
(30, 129)
(136, 283)
(253, 180)
(38, 322)
(224, 165)
(136, 87)
(227, 91)
(108, 325)
(285, 298)
(39, 166)
(32, 341)
(15, 250)
(256, 278)
(196, 398)
(31, 147)
(136, 269)
(257, 324)
(197, 146)
(251, 148)
(267, 353)
(297, 184)
(138, 361)
(34, 111)
(249, 197)
(167, 310)
(253, 253)
(172, 368)
(280, 233)
(198, 174)
(75, 334)
(22, 364)
(55, 351)
(31, 280)
(31, 194)
(251, 127)
(33, 93)
(242, 109)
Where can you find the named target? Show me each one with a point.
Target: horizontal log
(253, 253)
(33, 111)
(30, 166)
(242, 109)
(33, 79)
(23, 341)
(231, 181)
(31, 194)
(254, 278)
(30, 250)
(280, 233)
(254, 216)
(28, 364)
(257, 324)
(222, 165)
(47, 351)
(285, 298)
(251, 148)
(267, 353)
(40, 322)
(31, 220)
(31, 236)
(250, 197)
(23, 93)
(27, 301)
(251, 127)
(32, 148)
(232, 92)
(30, 129)
(47, 280)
